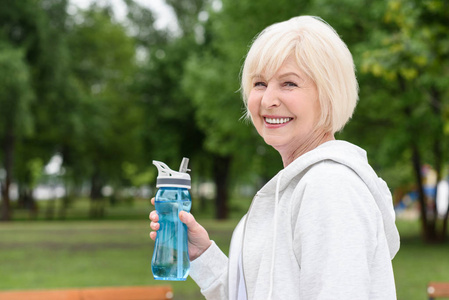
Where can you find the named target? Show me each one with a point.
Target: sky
(164, 13)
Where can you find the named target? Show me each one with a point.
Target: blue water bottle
(170, 257)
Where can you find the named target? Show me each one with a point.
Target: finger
(155, 226)
(153, 235)
(154, 216)
(152, 200)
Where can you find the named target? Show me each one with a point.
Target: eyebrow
(289, 74)
(256, 76)
(260, 76)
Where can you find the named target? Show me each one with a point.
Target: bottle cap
(170, 178)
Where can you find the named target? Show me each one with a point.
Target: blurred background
(92, 91)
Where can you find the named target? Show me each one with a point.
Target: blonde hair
(319, 53)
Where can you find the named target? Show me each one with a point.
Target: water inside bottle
(165, 264)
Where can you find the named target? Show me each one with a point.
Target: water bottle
(170, 257)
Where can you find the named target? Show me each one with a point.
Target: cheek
(317, 112)
(253, 106)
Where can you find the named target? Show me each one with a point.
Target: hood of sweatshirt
(355, 158)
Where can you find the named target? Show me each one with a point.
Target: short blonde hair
(320, 54)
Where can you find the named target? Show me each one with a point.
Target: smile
(277, 120)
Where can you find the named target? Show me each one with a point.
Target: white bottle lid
(170, 178)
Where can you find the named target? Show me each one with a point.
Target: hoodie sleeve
(210, 272)
(335, 233)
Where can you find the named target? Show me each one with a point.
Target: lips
(276, 121)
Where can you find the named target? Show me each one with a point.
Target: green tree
(56, 113)
(34, 28)
(169, 130)
(412, 56)
(16, 95)
(103, 63)
(214, 72)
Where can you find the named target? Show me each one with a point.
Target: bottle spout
(184, 164)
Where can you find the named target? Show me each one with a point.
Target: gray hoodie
(322, 228)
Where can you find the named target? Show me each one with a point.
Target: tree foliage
(15, 98)
(109, 96)
(26, 28)
(411, 55)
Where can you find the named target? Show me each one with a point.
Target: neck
(315, 139)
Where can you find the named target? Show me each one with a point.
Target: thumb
(188, 219)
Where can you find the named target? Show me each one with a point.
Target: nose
(270, 98)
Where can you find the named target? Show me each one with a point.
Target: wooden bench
(101, 293)
(438, 290)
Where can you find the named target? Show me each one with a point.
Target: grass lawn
(418, 263)
(63, 254)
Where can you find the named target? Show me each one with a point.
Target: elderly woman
(324, 226)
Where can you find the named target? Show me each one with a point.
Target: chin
(275, 143)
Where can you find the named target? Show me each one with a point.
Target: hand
(154, 217)
(198, 237)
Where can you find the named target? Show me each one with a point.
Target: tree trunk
(416, 161)
(444, 229)
(221, 176)
(5, 208)
(8, 150)
(435, 103)
(27, 201)
(96, 203)
(50, 209)
(428, 224)
(62, 212)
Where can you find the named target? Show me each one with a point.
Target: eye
(260, 84)
(290, 84)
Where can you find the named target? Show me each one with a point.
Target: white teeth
(277, 120)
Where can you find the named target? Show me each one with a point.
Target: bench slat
(41, 295)
(438, 289)
(127, 293)
(103, 293)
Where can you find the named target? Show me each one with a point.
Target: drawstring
(276, 200)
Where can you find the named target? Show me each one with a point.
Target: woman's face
(285, 108)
